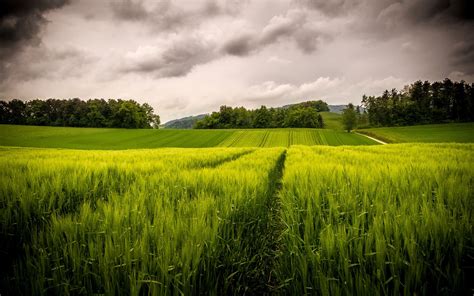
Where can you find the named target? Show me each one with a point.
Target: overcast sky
(187, 57)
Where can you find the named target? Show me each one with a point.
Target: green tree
(349, 118)
(262, 118)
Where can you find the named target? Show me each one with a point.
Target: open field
(432, 133)
(332, 120)
(288, 137)
(101, 138)
(366, 220)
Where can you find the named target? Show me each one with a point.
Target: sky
(187, 57)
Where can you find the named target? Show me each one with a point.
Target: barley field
(378, 220)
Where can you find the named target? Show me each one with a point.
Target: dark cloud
(240, 46)
(129, 10)
(330, 7)
(462, 56)
(166, 15)
(21, 20)
(414, 11)
(20, 25)
(176, 60)
(292, 26)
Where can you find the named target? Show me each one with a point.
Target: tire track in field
(222, 161)
(246, 265)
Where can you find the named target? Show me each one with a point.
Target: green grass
(367, 220)
(102, 138)
(332, 120)
(135, 222)
(288, 137)
(432, 133)
(114, 139)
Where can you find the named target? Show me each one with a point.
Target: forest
(421, 103)
(79, 113)
(303, 115)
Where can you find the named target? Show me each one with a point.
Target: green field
(288, 137)
(102, 138)
(366, 220)
(332, 120)
(432, 133)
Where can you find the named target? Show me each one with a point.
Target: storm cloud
(21, 22)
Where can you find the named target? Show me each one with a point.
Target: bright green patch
(332, 120)
(288, 137)
(432, 133)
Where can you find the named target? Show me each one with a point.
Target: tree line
(299, 115)
(421, 103)
(79, 113)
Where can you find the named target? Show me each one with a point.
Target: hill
(184, 123)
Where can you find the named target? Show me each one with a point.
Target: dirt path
(376, 140)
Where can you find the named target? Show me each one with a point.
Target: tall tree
(349, 118)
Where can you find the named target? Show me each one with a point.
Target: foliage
(299, 115)
(422, 103)
(349, 118)
(78, 113)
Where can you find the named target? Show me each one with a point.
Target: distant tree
(298, 115)
(262, 118)
(16, 112)
(421, 103)
(303, 117)
(349, 118)
(78, 113)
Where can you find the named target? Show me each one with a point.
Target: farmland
(113, 139)
(325, 220)
(431, 133)
(288, 137)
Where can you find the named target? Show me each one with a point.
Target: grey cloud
(20, 25)
(240, 46)
(129, 10)
(292, 26)
(330, 7)
(462, 56)
(166, 15)
(48, 63)
(176, 60)
(21, 20)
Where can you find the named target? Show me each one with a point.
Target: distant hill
(183, 123)
(337, 108)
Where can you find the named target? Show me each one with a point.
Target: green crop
(367, 220)
(116, 139)
(393, 219)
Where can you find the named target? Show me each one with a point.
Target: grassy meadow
(115, 139)
(220, 221)
(430, 133)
